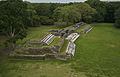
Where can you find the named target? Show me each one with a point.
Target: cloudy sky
(60, 1)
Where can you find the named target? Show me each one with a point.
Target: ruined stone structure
(46, 51)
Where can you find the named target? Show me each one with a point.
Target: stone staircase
(48, 39)
(71, 48)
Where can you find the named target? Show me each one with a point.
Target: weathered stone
(56, 49)
(71, 48)
(48, 39)
(29, 57)
(57, 34)
(78, 25)
(87, 29)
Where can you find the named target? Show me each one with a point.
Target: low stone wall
(36, 51)
(47, 56)
(62, 57)
(34, 44)
(79, 25)
(28, 57)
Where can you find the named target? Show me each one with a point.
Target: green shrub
(117, 23)
(36, 20)
(62, 24)
(46, 21)
(117, 18)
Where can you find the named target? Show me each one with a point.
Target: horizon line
(66, 2)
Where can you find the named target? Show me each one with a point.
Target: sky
(60, 1)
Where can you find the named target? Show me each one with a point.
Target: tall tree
(109, 17)
(33, 18)
(86, 11)
(13, 16)
(43, 9)
(100, 7)
(67, 14)
(117, 18)
(111, 8)
(75, 12)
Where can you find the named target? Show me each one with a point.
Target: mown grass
(98, 52)
(97, 55)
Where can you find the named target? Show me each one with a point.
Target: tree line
(17, 15)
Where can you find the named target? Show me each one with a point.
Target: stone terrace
(52, 43)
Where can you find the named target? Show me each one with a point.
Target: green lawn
(97, 55)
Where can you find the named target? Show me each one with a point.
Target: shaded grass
(3, 38)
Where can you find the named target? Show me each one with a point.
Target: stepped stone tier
(53, 30)
(48, 39)
(87, 29)
(35, 40)
(35, 43)
(71, 48)
(38, 51)
(79, 25)
(73, 37)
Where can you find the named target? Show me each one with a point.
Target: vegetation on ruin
(64, 46)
